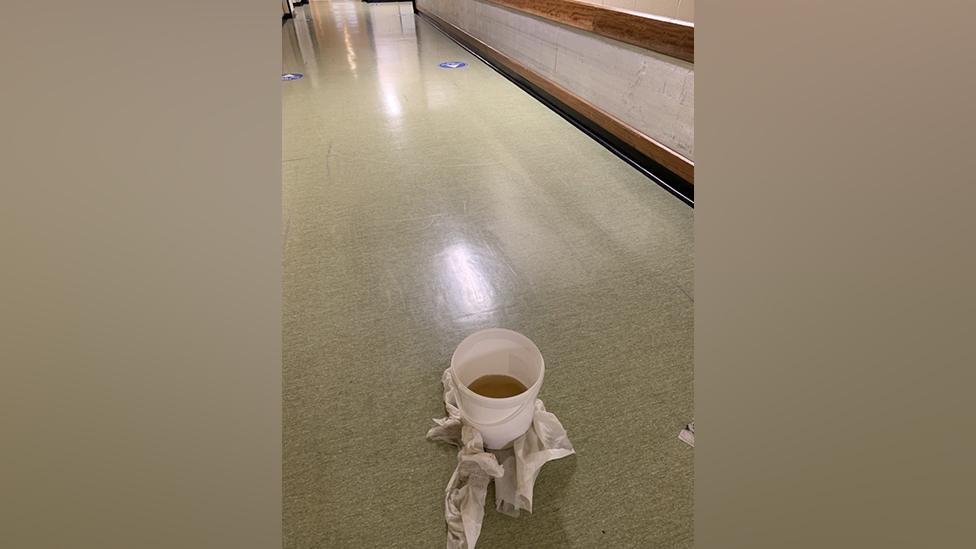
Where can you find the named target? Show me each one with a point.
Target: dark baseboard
(653, 170)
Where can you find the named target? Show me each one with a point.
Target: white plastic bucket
(502, 352)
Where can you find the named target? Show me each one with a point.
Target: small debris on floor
(688, 434)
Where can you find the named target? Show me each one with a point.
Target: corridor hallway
(422, 204)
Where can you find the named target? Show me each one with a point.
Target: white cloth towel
(514, 470)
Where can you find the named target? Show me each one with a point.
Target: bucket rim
(533, 389)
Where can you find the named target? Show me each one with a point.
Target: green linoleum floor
(422, 204)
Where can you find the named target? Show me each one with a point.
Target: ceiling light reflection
(467, 286)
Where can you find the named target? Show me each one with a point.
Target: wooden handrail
(660, 34)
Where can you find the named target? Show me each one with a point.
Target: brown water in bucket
(497, 386)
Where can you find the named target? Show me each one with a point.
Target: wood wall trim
(646, 145)
(659, 34)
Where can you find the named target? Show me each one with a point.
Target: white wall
(652, 93)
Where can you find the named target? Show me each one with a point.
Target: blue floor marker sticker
(452, 64)
(291, 76)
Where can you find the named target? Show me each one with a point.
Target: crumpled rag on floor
(514, 469)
